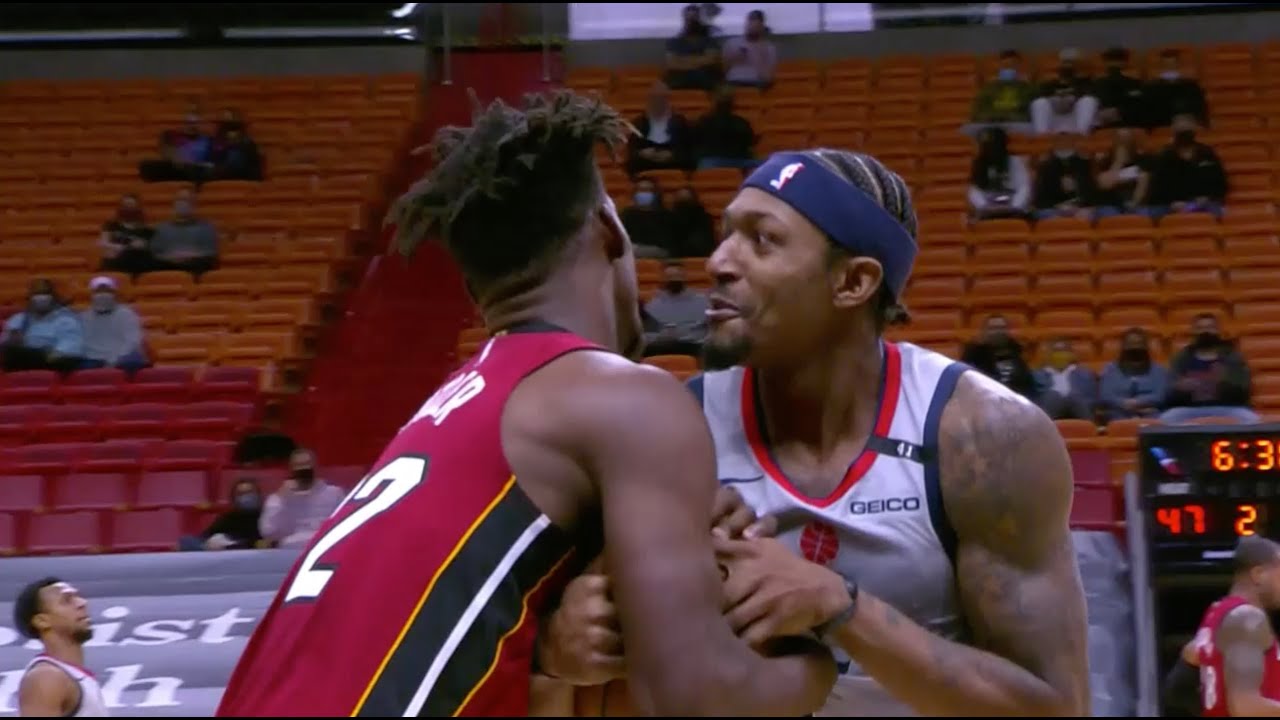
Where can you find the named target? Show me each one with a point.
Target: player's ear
(614, 235)
(40, 621)
(854, 280)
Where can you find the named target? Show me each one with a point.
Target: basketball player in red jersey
(1235, 647)
(422, 594)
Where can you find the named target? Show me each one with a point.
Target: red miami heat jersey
(421, 594)
(1213, 686)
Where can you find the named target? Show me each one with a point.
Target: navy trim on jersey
(695, 386)
(932, 467)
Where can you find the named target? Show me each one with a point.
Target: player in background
(921, 504)
(422, 595)
(1235, 648)
(55, 683)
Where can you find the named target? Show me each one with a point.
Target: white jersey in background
(91, 703)
(883, 526)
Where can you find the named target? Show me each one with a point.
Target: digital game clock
(1204, 487)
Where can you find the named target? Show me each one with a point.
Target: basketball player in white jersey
(55, 683)
(922, 508)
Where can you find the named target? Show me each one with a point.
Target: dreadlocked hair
(890, 191)
(507, 193)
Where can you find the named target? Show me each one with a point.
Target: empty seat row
(126, 456)
(109, 386)
(76, 533)
(213, 420)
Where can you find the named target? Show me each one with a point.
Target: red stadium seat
(161, 384)
(102, 386)
(215, 420)
(186, 455)
(91, 491)
(8, 535)
(71, 423)
(21, 493)
(139, 420)
(30, 386)
(146, 530)
(123, 456)
(72, 533)
(234, 384)
(18, 422)
(1095, 508)
(344, 476)
(175, 489)
(48, 458)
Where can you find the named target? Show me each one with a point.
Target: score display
(1204, 487)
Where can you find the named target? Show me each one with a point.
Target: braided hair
(507, 194)
(890, 191)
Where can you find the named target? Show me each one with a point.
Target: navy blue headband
(848, 215)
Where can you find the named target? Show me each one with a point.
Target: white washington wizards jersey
(883, 526)
(91, 703)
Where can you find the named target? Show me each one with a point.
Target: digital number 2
(396, 479)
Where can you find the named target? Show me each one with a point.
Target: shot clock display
(1205, 487)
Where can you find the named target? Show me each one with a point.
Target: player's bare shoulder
(1005, 467)
(1247, 626)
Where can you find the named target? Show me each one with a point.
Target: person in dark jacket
(723, 138)
(1120, 96)
(664, 137)
(235, 529)
(996, 354)
(1187, 176)
(1133, 385)
(1064, 185)
(1210, 377)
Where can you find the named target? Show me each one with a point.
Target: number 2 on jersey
(396, 479)
(1208, 687)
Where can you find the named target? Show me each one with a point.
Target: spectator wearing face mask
(185, 242)
(1133, 386)
(235, 529)
(722, 138)
(999, 184)
(44, 336)
(678, 316)
(692, 229)
(1124, 179)
(1067, 389)
(664, 139)
(292, 515)
(996, 354)
(112, 330)
(1006, 100)
(1065, 104)
(236, 157)
(693, 56)
(1170, 94)
(1120, 96)
(1210, 377)
(648, 221)
(184, 154)
(126, 239)
(1064, 182)
(1187, 176)
(751, 60)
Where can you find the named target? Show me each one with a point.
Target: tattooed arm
(1243, 638)
(1007, 487)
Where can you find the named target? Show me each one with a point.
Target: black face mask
(1184, 137)
(304, 476)
(675, 286)
(1208, 340)
(1135, 356)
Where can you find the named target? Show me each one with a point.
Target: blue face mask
(1007, 74)
(644, 198)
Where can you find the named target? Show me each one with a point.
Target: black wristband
(844, 616)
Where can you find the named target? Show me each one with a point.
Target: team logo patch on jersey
(819, 542)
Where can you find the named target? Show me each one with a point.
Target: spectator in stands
(693, 56)
(679, 314)
(1187, 175)
(1210, 377)
(722, 138)
(996, 354)
(126, 239)
(693, 232)
(1065, 104)
(1170, 94)
(112, 330)
(45, 336)
(1120, 96)
(648, 221)
(1123, 177)
(185, 242)
(752, 59)
(1064, 182)
(1133, 386)
(235, 157)
(235, 529)
(1006, 100)
(664, 139)
(184, 154)
(999, 184)
(1067, 389)
(293, 514)
(229, 120)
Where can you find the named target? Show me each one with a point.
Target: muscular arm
(46, 691)
(1007, 488)
(645, 442)
(1244, 638)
